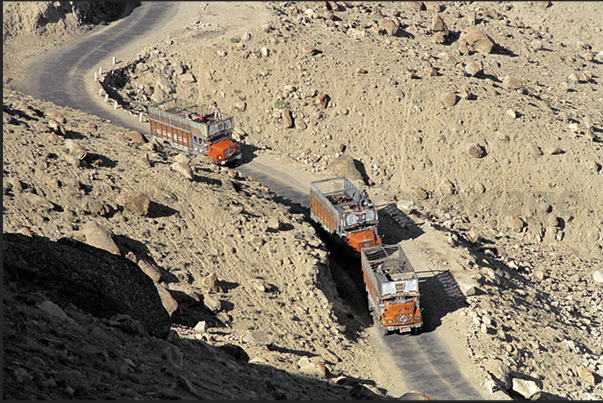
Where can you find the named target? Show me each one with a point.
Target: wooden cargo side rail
(181, 133)
(322, 211)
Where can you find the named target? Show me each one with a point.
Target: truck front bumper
(231, 159)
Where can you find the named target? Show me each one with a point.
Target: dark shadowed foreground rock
(95, 280)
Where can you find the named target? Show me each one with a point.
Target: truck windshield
(217, 138)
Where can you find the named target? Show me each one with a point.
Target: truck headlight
(417, 318)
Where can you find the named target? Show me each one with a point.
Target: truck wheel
(415, 330)
(384, 330)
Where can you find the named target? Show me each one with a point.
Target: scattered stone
(54, 310)
(589, 55)
(500, 373)
(513, 83)
(167, 300)
(309, 50)
(287, 118)
(136, 201)
(536, 44)
(438, 25)
(150, 270)
(240, 105)
(511, 113)
(183, 168)
(361, 71)
(464, 93)
(554, 150)
(211, 282)
(390, 26)
(598, 276)
(260, 285)
(75, 149)
(526, 388)
(100, 236)
(450, 99)
(516, 223)
(259, 338)
(421, 193)
(478, 40)
(38, 201)
(474, 67)
(475, 150)
(212, 302)
(434, 6)
(312, 366)
(322, 100)
(133, 136)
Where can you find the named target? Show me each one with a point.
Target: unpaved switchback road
(424, 362)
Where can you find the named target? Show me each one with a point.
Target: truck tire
(384, 330)
(416, 330)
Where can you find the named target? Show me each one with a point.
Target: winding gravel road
(425, 361)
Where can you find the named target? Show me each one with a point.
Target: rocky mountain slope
(483, 119)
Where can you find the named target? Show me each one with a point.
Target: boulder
(287, 118)
(94, 280)
(259, 338)
(150, 270)
(438, 25)
(75, 149)
(133, 136)
(184, 169)
(450, 99)
(322, 100)
(500, 373)
(474, 67)
(100, 236)
(527, 388)
(344, 166)
(168, 302)
(38, 200)
(136, 201)
(478, 40)
(421, 193)
(390, 26)
(586, 375)
(516, 223)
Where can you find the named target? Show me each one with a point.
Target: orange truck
(393, 289)
(205, 135)
(334, 204)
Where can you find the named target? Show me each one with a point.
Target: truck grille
(403, 318)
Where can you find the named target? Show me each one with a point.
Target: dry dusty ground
(534, 294)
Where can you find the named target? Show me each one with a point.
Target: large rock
(100, 236)
(390, 26)
(344, 165)
(94, 280)
(527, 388)
(136, 201)
(287, 118)
(478, 40)
(500, 373)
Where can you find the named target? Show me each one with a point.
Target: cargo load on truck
(341, 210)
(197, 131)
(393, 289)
